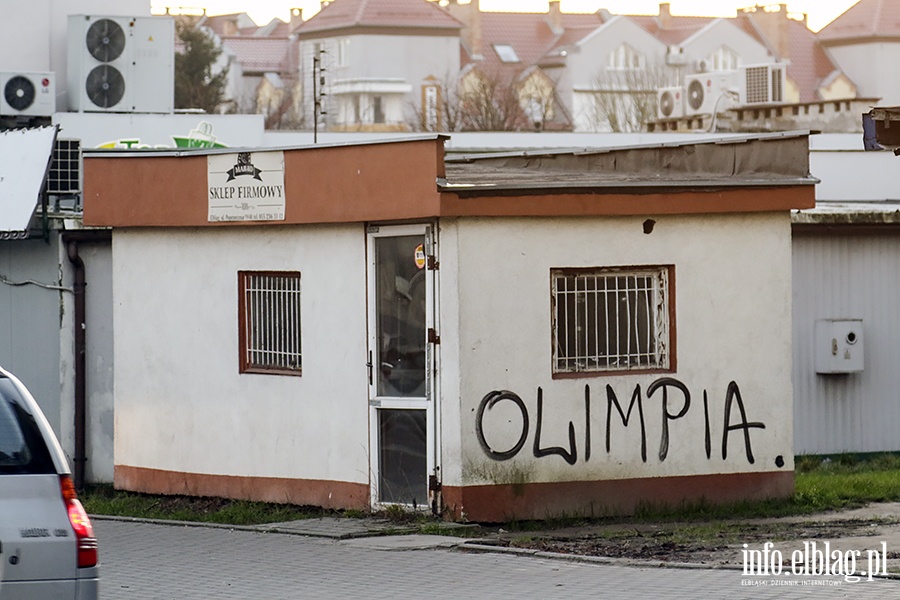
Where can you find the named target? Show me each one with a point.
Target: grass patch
(823, 483)
(104, 500)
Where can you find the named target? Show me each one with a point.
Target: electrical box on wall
(839, 346)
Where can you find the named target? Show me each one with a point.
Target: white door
(402, 343)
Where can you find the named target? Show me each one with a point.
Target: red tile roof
(260, 54)
(678, 28)
(809, 64)
(530, 36)
(220, 23)
(418, 14)
(865, 19)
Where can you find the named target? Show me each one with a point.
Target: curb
(265, 528)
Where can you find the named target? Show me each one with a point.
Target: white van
(47, 543)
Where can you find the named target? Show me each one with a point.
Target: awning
(24, 162)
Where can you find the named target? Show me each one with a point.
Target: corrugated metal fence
(847, 276)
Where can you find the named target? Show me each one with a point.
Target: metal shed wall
(847, 276)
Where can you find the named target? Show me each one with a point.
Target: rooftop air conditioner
(27, 94)
(121, 64)
(762, 84)
(706, 93)
(670, 103)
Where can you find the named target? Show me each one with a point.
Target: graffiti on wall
(675, 402)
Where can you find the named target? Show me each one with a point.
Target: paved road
(164, 562)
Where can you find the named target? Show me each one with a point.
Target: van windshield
(22, 447)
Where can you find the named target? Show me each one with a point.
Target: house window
(377, 109)
(612, 319)
(625, 57)
(269, 322)
(343, 52)
(723, 59)
(506, 53)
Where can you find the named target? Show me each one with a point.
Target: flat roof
(759, 160)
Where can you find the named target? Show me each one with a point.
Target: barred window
(612, 319)
(269, 322)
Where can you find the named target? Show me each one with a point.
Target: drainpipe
(71, 240)
(80, 365)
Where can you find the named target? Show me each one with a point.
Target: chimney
(470, 15)
(230, 28)
(773, 23)
(554, 15)
(296, 19)
(665, 15)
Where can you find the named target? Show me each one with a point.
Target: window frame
(723, 58)
(507, 54)
(605, 371)
(245, 364)
(626, 58)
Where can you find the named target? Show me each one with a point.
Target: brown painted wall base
(302, 492)
(499, 503)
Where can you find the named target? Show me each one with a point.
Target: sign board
(246, 186)
(24, 160)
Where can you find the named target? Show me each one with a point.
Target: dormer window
(626, 57)
(723, 59)
(506, 53)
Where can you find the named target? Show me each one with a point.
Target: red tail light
(81, 524)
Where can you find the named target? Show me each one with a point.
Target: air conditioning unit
(708, 92)
(121, 64)
(27, 94)
(762, 84)
(670, 103)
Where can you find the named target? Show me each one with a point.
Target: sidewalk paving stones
(148, 561)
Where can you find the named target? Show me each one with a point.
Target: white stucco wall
(181, 404)
(732, 291)
(722, 32)
(864, 64)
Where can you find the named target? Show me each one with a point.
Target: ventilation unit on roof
(27, 94)
(762, 84)
(706, 93)
(670, 103)
(121, 64)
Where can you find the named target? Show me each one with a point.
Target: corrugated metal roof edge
(886, 213)
(627, 186)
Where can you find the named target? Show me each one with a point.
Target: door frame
(430, 402)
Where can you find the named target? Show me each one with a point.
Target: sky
(820, 12)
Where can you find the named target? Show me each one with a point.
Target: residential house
(261, 63)
(374, 324)
(377, 65)
(586, 68)
(862, 41)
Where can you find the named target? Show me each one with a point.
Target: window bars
(609, 319)
(270, 321)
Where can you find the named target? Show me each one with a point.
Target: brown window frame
(285, 304)
(665, 341)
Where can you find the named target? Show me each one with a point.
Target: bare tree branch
(623, 100)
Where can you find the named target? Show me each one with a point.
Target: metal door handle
(369, 366)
